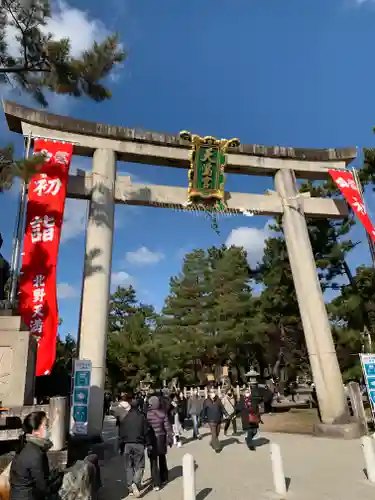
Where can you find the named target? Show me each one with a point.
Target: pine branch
(24, 69)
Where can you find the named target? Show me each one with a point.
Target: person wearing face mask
(229, 403)
(194, 409)
(213, 413)
(30, 476)
(120, 411)
(161, 437)
(248, 408)
(134, 433)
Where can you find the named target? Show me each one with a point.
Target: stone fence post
(58, 422)
(358, 408)
(188, 473)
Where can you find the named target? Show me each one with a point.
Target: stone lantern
(252, 376)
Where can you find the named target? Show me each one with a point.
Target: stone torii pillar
(321, 349)
(97, 278)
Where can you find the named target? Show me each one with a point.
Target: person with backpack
(134, 433)
(119, 411)
(229, 403)
(248, 408)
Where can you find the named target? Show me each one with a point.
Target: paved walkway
(319, 469)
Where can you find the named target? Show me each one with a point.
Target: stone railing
(57, 414)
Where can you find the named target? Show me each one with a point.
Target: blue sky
(290, 72)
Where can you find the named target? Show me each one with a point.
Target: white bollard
(188, 472)
(369, 455)
(278, 471)
(58, 422)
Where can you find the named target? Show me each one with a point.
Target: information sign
(80, 396)
(368, 369)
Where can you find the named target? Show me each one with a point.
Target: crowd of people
(150, 424)
(147, 426)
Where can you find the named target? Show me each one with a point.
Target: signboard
(368, 369)
(80, 396)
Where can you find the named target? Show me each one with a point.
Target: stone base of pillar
(17, 361)
(351, 430)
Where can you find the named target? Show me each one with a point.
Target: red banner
(344, 180)
(44, 217)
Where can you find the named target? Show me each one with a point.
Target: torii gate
(104, 188)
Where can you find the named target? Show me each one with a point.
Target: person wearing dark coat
(213, 413)
(248, 408)
(120, 411)
(30, 477)
(165, 402)
(140, 402)
(182, 409)
(134, 433)
(160, 438)
(194, 410)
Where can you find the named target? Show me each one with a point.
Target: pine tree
(122, 305)
(329, 238)
(10, 168)
(183, 321)
(284, 338)
(210, 316)
(233, 327)
(347, 308)
(45, 64)
(130, 351)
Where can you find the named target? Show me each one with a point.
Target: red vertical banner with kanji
(44, 217)
(344, 180)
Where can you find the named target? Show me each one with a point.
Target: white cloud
(66, 22)
(75, 218)
(364, 2)
(252, 239)
(143, 256)
(121, 278)
(66, 291)
(77, 25)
